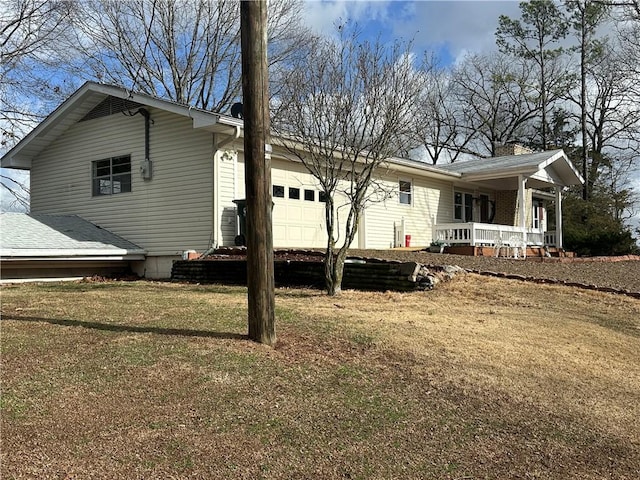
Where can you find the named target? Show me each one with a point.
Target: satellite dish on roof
(236, 110)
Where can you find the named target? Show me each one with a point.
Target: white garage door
(298, 210)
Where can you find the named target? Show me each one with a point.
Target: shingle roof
(59, 235)
(547, 168)
(532, 160)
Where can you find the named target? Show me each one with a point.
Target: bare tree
(29, 33)
(184, 50)
(438, 122)
(15, 194)
(585, 16)
(627, 17)
(498, 99)
(613, 113)
(26, 26)
(535, 38)
(343, 114)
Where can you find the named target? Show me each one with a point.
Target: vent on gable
(110, 106)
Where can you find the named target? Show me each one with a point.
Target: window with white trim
(463, 207)
(538, 214)
(111, 176)
(404, 192)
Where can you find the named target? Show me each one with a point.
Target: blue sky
(449, 28)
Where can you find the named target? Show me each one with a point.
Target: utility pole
(257, 168)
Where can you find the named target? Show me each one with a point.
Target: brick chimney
(511, 149)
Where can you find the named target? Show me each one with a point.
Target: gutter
(231, 138)
(71, 258)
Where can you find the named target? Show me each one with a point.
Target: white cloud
(455, 27)
(323, 16)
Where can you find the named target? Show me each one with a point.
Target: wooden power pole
(257, 168)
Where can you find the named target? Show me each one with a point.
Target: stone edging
(554, 281)
(619, 258)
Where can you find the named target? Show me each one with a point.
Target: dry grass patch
(482, 378)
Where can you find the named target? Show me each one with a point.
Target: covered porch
(522, 187)
(491, 234)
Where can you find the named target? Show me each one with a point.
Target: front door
(485, 209)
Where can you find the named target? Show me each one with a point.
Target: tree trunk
(583, 106)
(334, 270)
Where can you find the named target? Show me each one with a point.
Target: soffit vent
(110, 106)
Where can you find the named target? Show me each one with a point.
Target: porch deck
(492, 235)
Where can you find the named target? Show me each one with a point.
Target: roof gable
(543, 168)
(87, 98)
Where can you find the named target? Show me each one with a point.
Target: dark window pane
(126, 168)
(310, 195)
(122, 160)
(123, 182)
(322, 197)
(102, 168)
(278, 191)
(405, 192)
(468, 207)
(294, 193)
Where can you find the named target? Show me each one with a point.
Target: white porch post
(522, 183)
(558, 217)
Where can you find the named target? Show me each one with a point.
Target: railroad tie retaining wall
(375, 276)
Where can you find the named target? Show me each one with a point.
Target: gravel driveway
(621, 275)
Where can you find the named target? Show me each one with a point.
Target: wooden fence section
(376, 276)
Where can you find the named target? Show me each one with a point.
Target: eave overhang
(554, 170)
(82, 101)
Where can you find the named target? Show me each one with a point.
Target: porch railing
(488, 234)
(550, 238)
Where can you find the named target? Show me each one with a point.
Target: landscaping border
(554, 281)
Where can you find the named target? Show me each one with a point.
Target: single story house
(164, 176)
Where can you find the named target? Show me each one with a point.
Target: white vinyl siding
(430, 200)
(173, 211)
(226, 193)
(170, 213)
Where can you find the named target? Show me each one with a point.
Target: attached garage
(298, 208)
